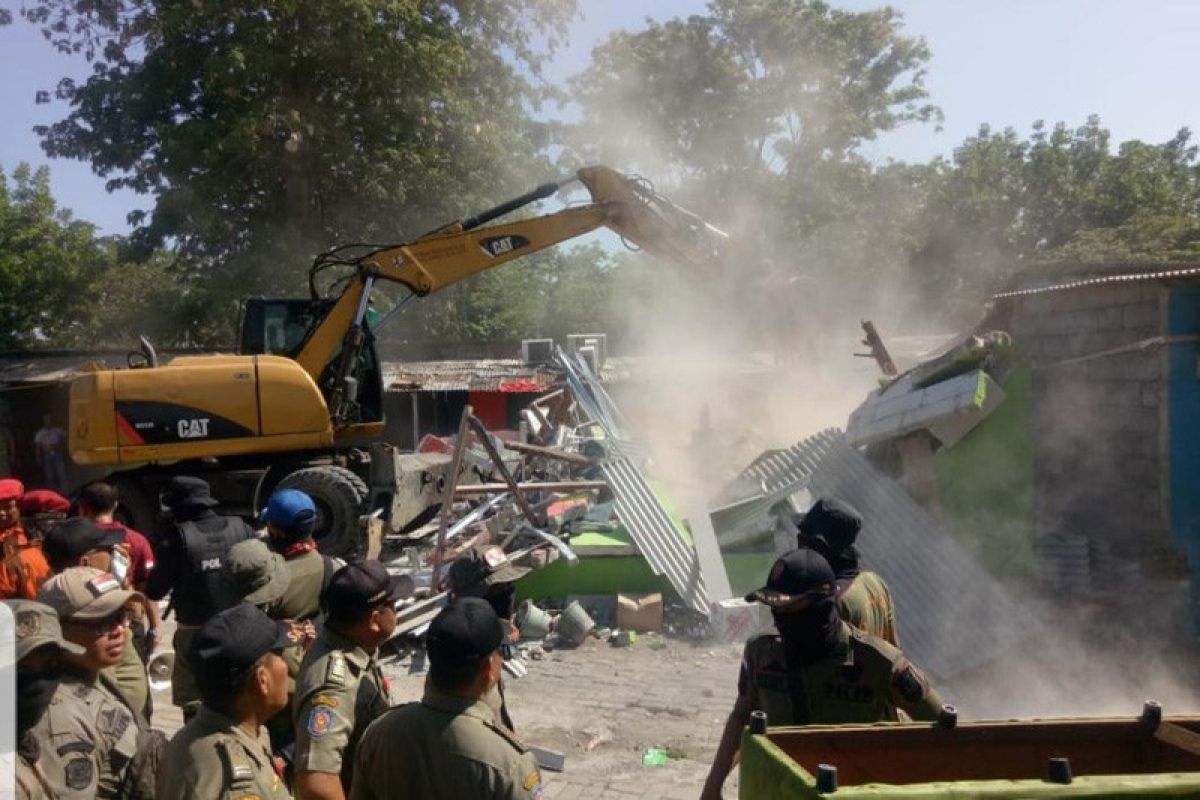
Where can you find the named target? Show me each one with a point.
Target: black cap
(834, 522)
(465, 631)
(357, 588)
(66, 543)
(228, 645)
(184, 490)
(480, 567)
(796, 574)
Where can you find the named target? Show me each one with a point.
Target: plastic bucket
(574, 624)
(531, 621)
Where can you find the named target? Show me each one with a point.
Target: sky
(1001, 62)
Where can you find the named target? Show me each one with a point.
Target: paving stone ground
(602, 706)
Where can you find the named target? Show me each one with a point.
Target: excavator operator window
(279, 327)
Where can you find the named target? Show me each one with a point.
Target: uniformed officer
(485, 571)
(89, 734)
(253, 574)
(340, 689)
(831, 527)
(79, 542)
(188, 565)
(451, 744)
(23, 568)
(40, 646)
(291, 517)
(818, 669)
(223, 751)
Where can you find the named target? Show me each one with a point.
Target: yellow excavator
(300, 405)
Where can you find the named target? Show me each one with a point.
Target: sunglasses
(102, 627)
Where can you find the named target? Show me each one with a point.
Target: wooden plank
(543, 486)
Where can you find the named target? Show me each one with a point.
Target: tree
(1004, 203)
(755, 112)
(49, 263)
(64, 286)
(268, 131)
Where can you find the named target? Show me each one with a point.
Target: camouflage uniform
(867, 605)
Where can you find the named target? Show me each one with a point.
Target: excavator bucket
(650, 221)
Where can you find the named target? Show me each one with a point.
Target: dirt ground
(602, 706)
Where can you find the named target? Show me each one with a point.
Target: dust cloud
(756, 352)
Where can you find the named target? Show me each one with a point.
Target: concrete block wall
(1098, 423)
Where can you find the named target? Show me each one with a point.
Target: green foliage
(270, 130)
(1060, 195)
(66, 287)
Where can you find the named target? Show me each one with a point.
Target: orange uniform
(24, 568)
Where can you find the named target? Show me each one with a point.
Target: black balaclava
(502, 598)
(35, 690)
(831, 527)
(811, 634)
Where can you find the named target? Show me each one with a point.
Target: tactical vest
(204, 555)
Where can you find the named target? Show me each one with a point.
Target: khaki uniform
(302, 600)
(130, 675)
(865, 680)
(31, 781)
(87, 739)
(340, 692)
(444, 748)
(184, 692)
(212, 758)
(867, 605)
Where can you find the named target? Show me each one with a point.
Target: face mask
(503, 600)
(34, 692)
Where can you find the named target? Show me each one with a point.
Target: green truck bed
(1111, 758)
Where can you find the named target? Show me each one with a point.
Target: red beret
(41, 501)
(11, 489)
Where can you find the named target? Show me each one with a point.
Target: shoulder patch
(240, 771)
(531, 780)
(324, 700)
(76, 747)
(78, 773)
(320, 720)
(335, 673)
(114, 721)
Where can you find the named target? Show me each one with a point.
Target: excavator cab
(281, 327)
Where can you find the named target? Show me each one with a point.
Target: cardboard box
(735, 620)
(640, 612)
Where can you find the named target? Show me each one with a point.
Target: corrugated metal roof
(953, 616)
(485, 375)
(657, 538)
(1098, 275)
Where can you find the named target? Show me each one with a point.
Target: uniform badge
(532, 780)
(325, 700)
(320, 720)
(78, 773)
(295, 633)
(29, 623)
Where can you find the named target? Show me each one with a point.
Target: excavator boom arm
(463, 249)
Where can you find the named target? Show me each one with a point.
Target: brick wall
(1097, 423)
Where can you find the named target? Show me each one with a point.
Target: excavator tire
(339, 495)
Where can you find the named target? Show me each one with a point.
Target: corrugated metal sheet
(953, 616)
(1108, 275)
(654, 532)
